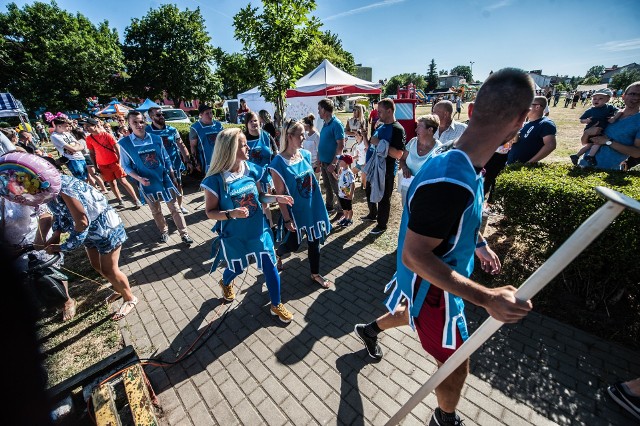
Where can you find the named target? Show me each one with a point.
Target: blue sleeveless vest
(260, 150)
(206, 141)
(149, 162)
(455, 167)
(240, 239)
(168, 136)
(308, 212)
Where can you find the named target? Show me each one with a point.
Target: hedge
(544, 204)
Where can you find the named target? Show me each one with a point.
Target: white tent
(587, 87)
(324, 81)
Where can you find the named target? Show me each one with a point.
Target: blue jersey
(239, 239)
(308, 212)
(330, 134)
(170, 137)
(150, 160)
(454, 167)
(206, 141)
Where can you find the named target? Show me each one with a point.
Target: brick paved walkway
(248, 368)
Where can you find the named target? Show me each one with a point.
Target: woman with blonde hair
(293, 175)
(232, 197)
(417, 151)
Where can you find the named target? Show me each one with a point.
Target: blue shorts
(103, 238)
(78, 169)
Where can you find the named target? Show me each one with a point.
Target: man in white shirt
(449, 130)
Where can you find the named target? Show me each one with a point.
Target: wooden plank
(138, 395)
(104, 406)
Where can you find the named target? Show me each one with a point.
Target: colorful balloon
(28, 179)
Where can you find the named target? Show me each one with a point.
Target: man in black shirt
(394, 134)
(439, 237)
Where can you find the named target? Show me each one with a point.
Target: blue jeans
(271, 276)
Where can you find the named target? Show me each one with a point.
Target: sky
(563, 37)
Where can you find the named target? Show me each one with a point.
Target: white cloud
(498, 5)
(362, 9)
(620, 45)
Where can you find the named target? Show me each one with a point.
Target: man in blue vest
(202, 137)
(178, 153)
(439, 236)
(144, 158)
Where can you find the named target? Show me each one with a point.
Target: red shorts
(430, 324)
(111, 172)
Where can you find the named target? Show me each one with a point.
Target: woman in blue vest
(262, 149)
(202, 137)
(144, 158)
(293, 175)
(232, 197)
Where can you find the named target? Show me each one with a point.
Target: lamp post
(471, 69)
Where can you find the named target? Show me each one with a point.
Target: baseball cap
(203, 107)
(91, 121)
(606, 92)
(346, 158)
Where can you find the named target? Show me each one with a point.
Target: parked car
(175, 115)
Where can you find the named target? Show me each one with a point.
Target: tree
(595, 71)
(391, 87)
(237, 72)
(591, 80)
(53, 59)
(329, 46)
(624, 79)
(169, 51)
(279, 39)
(432, 77)
(443, 72)
(463, 71)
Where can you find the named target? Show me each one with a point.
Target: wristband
(228, 215)
(481, 244)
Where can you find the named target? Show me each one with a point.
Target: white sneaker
(184, 210)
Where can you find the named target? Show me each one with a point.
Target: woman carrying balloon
(293, 175)
(232, 197)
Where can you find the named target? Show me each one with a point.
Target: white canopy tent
(588, 87)
(324, 81)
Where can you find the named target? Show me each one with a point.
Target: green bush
(543, 205)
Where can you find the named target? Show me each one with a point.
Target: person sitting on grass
(346, 188)
(600, 114)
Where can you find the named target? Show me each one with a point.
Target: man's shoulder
(458, 124)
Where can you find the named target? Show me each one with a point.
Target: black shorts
(345, 204)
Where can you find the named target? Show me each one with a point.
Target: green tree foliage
(237, 72)
(625, 78)
(400, 80)
(443, 72)
(591, 80)
(432, 77)
(278, 38)
(463, 71)
(329, 46)
(169, 50)
(595, 71)
(53, 59)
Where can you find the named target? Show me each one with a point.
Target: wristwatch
(608, 143)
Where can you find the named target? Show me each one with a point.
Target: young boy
(600, 114)
(346, 188)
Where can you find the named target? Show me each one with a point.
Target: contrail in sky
(620, 45)
(362, 9)
(498, 5)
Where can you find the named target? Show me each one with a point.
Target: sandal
(69, 313)
(124, 310)
(113, 297)
(279, 264)
(324, 283)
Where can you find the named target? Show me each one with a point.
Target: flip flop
(279, 264)
(125, 309)
(113, 297)
(69, 313)
(324, 283)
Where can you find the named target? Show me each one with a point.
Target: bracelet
(228, 215)
(481, 244)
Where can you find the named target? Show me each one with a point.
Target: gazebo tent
(148, 103)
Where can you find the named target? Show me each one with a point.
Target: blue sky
(564, 37)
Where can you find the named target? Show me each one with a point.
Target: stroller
(44, 281)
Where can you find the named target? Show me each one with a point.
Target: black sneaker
(377, 230)
(367, 218)
(187, 239)
(627, 401)
(371, 343)
(590, 160)
(164, 237)
(437, 420)
(574, 159)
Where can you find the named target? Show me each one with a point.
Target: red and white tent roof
(327, 80)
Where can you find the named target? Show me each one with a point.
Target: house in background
(610, 72)
(447, 81)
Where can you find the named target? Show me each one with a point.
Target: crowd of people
(446, 175)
